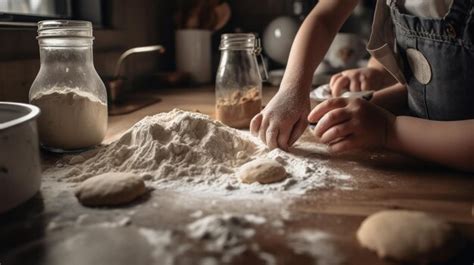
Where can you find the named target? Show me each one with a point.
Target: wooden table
(35, 232)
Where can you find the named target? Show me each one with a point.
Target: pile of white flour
(187, 151)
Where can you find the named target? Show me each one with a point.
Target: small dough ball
(408, 236)
(263, 171)
(110, 189)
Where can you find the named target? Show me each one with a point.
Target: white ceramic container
(20, 166)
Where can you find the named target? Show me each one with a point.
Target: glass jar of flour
(67, 89)
(238, 80)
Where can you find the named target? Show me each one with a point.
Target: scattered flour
(318, 245)
(85, 220)
(164, 248)
(228, 235)
(221, 232)
(232, 235)
(219, 238)
(187, 151)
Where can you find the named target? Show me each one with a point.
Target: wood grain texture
(380, 180)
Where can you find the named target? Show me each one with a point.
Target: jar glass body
(67, 89)
(238, 81)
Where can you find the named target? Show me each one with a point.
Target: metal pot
(20, 167)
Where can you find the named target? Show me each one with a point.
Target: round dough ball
(408, 236)
(263, 171)
(110, 189)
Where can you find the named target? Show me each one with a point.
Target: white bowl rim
(33, 113)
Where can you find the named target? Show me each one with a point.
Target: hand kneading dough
(408, 236)
(110, 189)
(262, 170)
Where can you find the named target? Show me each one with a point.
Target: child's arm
(392, 98)
(447, 142)
(346, 124)
(313, 40)
(284, 118)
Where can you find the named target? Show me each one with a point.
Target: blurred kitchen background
(121, 25)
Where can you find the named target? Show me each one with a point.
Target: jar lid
(238, 41)
(65, 28)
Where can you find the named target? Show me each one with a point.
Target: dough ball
(110, 189)
(408, 236)
(263, 171)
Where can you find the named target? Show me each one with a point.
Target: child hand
(359, 79)
(346, 124)
(283, 120)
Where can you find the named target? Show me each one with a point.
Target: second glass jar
(238, 80)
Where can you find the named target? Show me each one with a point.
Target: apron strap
(382, 40)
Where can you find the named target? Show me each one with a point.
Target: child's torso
(428, 45)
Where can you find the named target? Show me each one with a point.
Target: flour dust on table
(187, 151)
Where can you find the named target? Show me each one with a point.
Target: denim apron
(437, 60)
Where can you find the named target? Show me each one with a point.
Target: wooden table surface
(35, 232)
